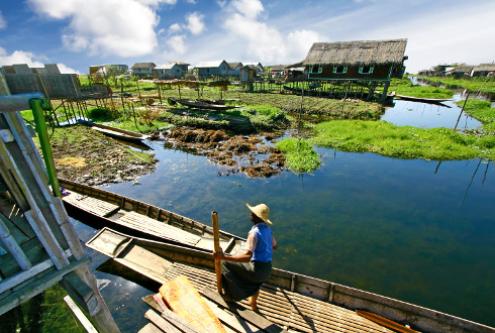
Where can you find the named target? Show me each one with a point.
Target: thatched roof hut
(366, 52)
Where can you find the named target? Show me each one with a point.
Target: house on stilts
(360, 69)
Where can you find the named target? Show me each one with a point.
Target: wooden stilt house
(38, 245)
(356, 67)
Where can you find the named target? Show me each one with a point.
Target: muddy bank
(252, 155)
(89, 157)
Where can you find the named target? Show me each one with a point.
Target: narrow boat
(200, 104)
(100, 208)
(422, 99)
(120, 134)
(296, 302)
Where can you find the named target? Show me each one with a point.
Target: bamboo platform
(292, 311)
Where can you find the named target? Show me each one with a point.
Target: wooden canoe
(422, 99)
(200, 104)
(120, 134)
(297, 302)
(100, 208)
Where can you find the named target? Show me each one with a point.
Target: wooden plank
(160, 322)
(94, 206)
(187, 303)
(10, 243)
(17, 102)
(150, 328)
(249, 315)
(382, 321)
(144, 223)
(33, 287)
(80, 316)
(233, 321)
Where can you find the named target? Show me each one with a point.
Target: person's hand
(218, 255)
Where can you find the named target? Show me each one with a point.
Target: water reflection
(423, 115)
(418, 230)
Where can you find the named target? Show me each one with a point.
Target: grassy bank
(483, 85)
(402, 141)
(299, 154)
(84, 155)
(405, 87)
(482, 111)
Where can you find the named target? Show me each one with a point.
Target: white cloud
(3, 21)
(177, 44)
(194, 23)
(248, 8)
(192, 2)
(261, 40)
(124, 28)
(300, 42)
(176, 27)
(18, 57)
(25, 57)
(462, 32)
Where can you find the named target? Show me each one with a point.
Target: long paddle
(216, 248)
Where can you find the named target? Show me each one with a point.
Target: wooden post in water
(216, 248)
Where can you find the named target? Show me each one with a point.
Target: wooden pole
(216, 247)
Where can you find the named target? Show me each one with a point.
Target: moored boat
(200, 104)
(294, 301)
(422, 99)
(101, 208)
(120, 134)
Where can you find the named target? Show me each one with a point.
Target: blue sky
(79, 33)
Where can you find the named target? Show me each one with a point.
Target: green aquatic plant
(405, 87)
(300, 157)
(402, 141)
(481, 84)
(479, 109)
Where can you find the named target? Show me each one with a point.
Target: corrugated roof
(357, 52)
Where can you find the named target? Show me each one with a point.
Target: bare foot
(253, 302)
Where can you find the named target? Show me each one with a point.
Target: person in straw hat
(244, 273)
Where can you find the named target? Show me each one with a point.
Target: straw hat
(261, 210)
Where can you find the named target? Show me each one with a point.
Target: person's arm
(274, 243)
(244, 256)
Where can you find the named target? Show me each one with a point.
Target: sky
(79, 33)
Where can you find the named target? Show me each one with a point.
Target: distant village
(460, 70)
(362, 69)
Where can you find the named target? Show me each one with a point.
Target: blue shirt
(263, 246)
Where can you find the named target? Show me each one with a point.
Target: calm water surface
(425, 115)
(417, 230)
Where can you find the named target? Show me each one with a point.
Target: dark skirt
(241, 280)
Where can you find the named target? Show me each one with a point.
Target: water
(425, 115)
(417, 230)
